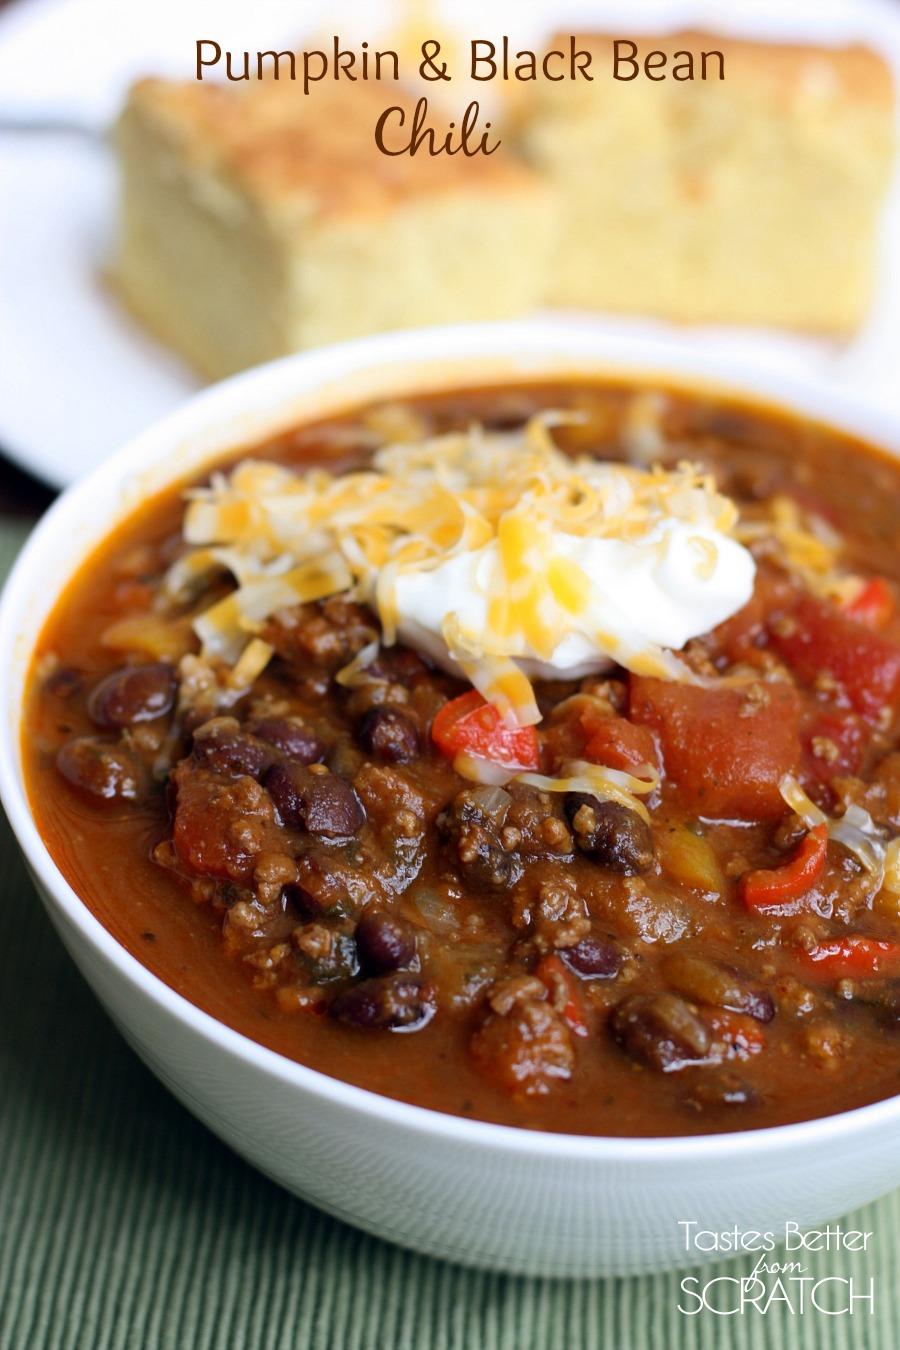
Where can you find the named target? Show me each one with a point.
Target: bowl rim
(553, 347)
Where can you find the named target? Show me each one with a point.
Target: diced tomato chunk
(726, 750)
(588, 730)
(816, 639)
(617, 743)
(561, 742)
(469, 725)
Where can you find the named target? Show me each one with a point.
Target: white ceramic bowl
(482, 1194)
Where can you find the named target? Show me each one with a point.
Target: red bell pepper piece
(470, 725)
(819, 639)
(770, 888)
(851, 957)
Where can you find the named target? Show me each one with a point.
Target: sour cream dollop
(676, 582)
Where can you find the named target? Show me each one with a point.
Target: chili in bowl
(481, 750)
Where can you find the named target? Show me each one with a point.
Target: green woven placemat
(124, 1223)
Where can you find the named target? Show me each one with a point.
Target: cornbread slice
(256, 222)
(752, 199)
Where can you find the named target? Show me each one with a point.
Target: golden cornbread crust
(316, 153)
(752, 199)
(855, 71)
(256, 222)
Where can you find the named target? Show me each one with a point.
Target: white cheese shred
(609, 785)
(356, 672)
(855, 830)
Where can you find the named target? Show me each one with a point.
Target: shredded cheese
(800, 803)
(250, 664)
(355, 673)
(609, 785)
(855, 830)
(485, 771)
(287, 537)
(804, 545)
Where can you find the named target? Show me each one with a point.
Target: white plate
(78, 377)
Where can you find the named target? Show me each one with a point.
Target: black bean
(718, 986)
(289, 792)
(610, 833)
(223, 747)
(659, 1030)
(593, 958)
(100, 768)
(291, 738)
(384, 943)
(392, 1003)
(388, 734)
(333, 808)
(133, 694)
(322, 803)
